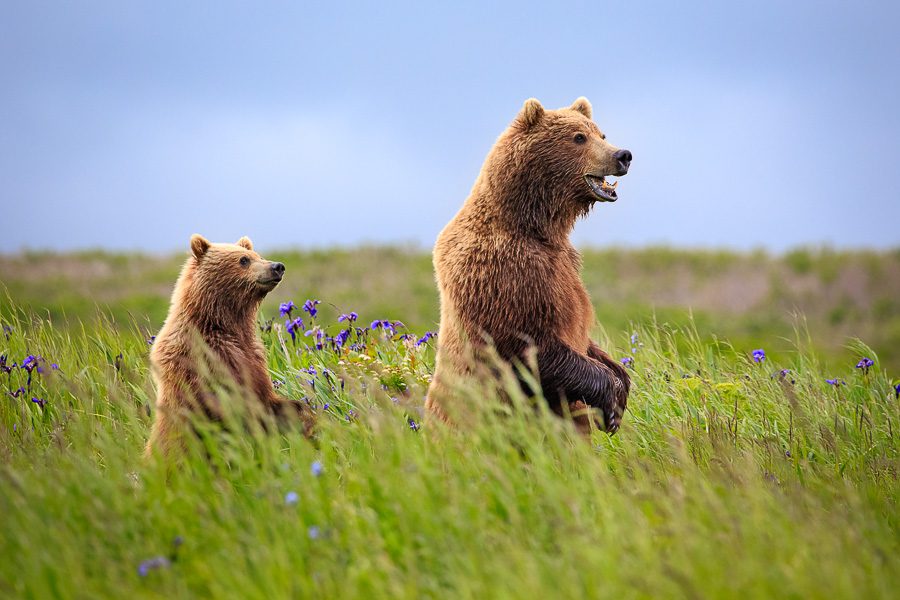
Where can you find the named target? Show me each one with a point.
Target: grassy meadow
(733, 475)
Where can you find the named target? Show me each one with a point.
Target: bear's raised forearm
(566, 373)
(595, 352)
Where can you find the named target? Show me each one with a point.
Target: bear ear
(583, 106)
(532, 112)
(245, 242)
(199, 245)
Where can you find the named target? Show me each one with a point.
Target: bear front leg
(289, 412)
(567, 374)
(595, 352)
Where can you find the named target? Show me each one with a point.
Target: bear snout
(277, 269)
(623, 157)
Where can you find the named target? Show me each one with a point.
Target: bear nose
(278, 269)
(624, 158)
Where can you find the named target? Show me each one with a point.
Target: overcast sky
(132, 125)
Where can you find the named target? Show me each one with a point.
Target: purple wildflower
(412, 424)
(7, 330)
(341, 337)
(17, 393)
(152, 564)
(326, 406)
(314, 532)
(627, 361)
(39, 401)
(30, 363)
(310, 307)
(285, 308)
(424, 339)
(759, 355)
(897, 391)
(835, 382)
(293, 327)
(150, 340)
(291, 498)
(348, 317)
(864, 364)
(4, 367)
(316, 468)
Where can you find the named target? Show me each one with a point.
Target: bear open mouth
(604, 191)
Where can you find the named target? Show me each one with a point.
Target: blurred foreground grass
(728, 477)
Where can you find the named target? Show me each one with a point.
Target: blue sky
(130, 126)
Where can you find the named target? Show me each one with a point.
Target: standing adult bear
(508, 274)
(211, 337)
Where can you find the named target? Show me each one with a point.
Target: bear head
(226, 279)
(551, 166)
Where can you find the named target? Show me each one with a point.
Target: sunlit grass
(728, 478)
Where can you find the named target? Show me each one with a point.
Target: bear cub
(211, 331)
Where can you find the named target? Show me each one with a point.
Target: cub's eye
(245, 261)
(580, 138)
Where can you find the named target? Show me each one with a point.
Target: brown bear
(211, 330)
(509, 276)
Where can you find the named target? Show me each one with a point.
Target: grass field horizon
(735, 474)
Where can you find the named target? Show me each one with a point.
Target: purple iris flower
(627, 361)
(314, 532)
(39, 401)
(152, 564)
(285, 308)
(759, 355)
(30, 363)
(424, 339)
(293, 327)
(864, 364)
(317, 469)
(835, 382)
(897, 391)
(291, 498)
(412, 424)
(17, 393)
(4, 367)
(341, 337)
(348, 317)
(310, 307)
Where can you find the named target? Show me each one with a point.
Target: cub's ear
(583, 106)
(245, 242)
(532, 112)
(199, 245)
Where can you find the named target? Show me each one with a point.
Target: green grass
(731, 482)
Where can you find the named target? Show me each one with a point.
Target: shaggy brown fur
(508, 274)
(212, 327)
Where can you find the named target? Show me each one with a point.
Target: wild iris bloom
(350, 318)
(897, 391)
(39, 401)
(413, 425)
(291, 498)
(627, 361)
(293, 327)
(286, 308)
(835, 382)
(317, 469)
(424, 339)
(341, 337)
(314, 532)
(159, 562)
(864, 364)
(310, 307)
(4, 367)
(759, 355)
(30, 363)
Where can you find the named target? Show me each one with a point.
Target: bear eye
(245, 261)
(580, 138)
